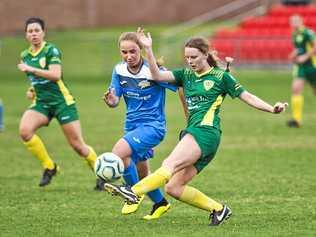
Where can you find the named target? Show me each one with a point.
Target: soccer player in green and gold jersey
(205, 86)
(304, 59)
(52, 99)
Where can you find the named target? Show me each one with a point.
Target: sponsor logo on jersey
(42, 62)
(143, 84)
(299, 38)
(208, 84)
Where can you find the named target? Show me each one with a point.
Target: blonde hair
(129, 36)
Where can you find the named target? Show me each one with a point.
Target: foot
(130, 208)
(48, 175)
(158, 210)
(217, 217)
(122, 191)
(99, 185)
(293, 124)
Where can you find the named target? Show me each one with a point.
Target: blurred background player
(145, 123)
(304, 59)
(205, 86)
(51, 99)
(1, 116)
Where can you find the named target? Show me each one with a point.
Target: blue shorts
(142, 140)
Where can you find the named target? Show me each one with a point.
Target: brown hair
(131, 36)
(203, 46)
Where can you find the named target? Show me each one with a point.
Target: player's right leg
(123, 149)
(297, 102)
(30, 122)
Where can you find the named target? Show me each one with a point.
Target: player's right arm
(112, 96)
(156, 74)
(184, 104)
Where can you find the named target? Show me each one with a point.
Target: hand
(110, 98)
(25, 68)
(301, 58)
(279, 107)
(30, 94)
(146, 41)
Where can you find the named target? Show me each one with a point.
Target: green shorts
(62, 112)
(307, 73)
(208, 139)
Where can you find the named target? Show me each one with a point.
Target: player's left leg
(177, 187)
(74, 137)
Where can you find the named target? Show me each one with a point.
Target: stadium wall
(61, 14)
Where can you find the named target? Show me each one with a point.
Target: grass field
(263, 170)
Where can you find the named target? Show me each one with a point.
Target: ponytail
(211, 60)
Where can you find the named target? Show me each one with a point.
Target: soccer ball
(109, 167)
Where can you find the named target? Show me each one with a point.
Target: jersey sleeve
(115, 83)
(53, 56)
(168, 85)
(310, 35)
(231, 86)
(179, 76)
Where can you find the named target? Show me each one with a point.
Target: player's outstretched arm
(258, 103)
(146, 42)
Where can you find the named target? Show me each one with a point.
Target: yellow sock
(198, 199)
(91, 158)
(297, 107)
(37, 148)
(153, 181)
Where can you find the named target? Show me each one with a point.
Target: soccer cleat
(123, 191)
(48, 175)
(293, 124)
(217, 217)
(129, 208)
(99, 185)
(158, 210)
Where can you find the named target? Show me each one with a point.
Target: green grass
(264, 171)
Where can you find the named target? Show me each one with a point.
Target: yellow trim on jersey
(209, 116)
(68, 97)
(203, 73)
(38, 51)
(309, 47)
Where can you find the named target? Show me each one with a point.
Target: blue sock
(130, 174)
(155, 195)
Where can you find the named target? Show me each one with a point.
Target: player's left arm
(260, 104)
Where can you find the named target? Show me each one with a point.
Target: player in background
(145, 123)
(205, 86)
(304, 59)
(51, 99)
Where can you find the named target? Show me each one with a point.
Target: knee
(173, 190)
(25, 133)
(80, 148)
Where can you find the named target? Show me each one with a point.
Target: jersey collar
(203, 73)
(38, 51)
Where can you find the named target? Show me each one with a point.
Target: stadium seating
(265, 39)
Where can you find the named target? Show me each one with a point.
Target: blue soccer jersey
(144, 98)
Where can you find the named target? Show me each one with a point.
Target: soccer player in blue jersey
(145, 124)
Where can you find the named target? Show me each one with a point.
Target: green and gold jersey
(205, 93)
(46, 91)
(303, 40)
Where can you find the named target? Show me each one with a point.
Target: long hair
(202, 45)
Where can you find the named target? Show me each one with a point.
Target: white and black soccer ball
(109, 167)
